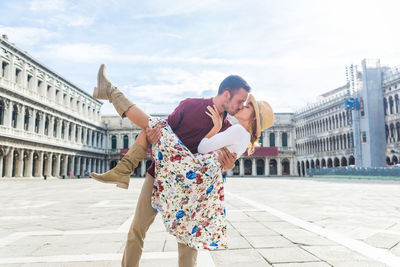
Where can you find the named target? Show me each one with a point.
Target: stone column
(95, 140)
(1, 161)
(106, 166)
(266, 171)
(64, 166)
(51, 126)
(42, 119)
(79, 129)
(29, 165)
(143, 168)
(83, 166)
(20, 117)
(78, 166)
(94, 169)
(32, 119)
(279, 163)
(253, 167)
(59, 126)
(19, 163)
(8, 106)
(278, 139)
(9, 161)
(241, 167)
(48, 163)
(72, 166)
(66, 130)
(39, 165)
(57, 165)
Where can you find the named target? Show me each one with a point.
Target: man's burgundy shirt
(190, 123)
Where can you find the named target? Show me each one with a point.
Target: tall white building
(48, 126)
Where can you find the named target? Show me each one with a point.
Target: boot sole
(120, 185)
(97, 93)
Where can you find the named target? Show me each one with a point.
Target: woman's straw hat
(264, 114)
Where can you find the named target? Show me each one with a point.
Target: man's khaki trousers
(144, 217)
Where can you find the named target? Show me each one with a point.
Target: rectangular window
(4, 69)
(30, 81)
(18, 76)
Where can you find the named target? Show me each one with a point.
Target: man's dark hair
(232, 83)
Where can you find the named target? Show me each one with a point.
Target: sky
(160, 52)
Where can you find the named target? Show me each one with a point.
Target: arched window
(385, 105)
(2, 112)
(63, 130)
(37, 121)
(398, 130)
(26, 120)
(391, 105)
(55, 129)
(284, 139)
(271, 139)
(397, 103)
(126, 141)
(113, 142)
(46, 126)
(14, 117)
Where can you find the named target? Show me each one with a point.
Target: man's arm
(226, 158)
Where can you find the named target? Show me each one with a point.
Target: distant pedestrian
(224, 177)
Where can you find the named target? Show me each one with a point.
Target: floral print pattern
(188, 192)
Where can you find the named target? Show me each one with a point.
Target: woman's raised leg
(120, 174)
(124, 107)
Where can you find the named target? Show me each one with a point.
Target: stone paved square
(271, 222)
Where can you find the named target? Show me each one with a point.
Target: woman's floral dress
(188, 192)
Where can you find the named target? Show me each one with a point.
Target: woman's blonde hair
(253, 134)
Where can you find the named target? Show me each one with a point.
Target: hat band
(260, 115)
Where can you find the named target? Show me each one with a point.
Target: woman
(188, 189)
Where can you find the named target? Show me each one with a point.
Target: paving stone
(287, 255)
(303, 264)
(335, 254)
(269, 241)
(238, 258)
(383, 240)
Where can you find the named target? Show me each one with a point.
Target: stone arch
(330, 163)
(323, 163)
(286, 167)
(273, 170)
(236, 169)
(395, 160)
(343, 161)
(248, 164)
(352, 160)
(260, 165)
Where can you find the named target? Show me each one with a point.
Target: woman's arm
(229, 137)
(216, 118)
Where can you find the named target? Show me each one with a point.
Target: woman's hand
(216, 118)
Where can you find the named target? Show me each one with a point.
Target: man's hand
(226, 158)
(153, 134)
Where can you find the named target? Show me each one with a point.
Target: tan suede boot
(120, 174)
(105, 90)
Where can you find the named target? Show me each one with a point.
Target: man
(190, 123)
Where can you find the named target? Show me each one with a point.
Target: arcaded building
(49, 127)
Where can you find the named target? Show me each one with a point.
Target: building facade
(49, 127)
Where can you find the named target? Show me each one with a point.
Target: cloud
(172, 85)
(27, 36)
(48, 5)
(159, 9)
